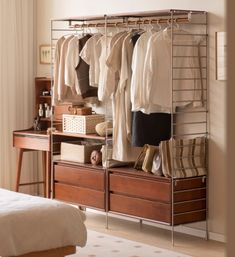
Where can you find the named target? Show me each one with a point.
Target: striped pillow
(189, 158)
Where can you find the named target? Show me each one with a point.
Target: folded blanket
(183, 158)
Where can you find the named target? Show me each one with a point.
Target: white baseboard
(181, 228)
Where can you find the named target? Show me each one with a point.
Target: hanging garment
(157, 71)
(82, 70)
(56, 69)
(137, 65)
(71, 61)
(121, 64)
(150, 128)
(90, 54)
(106, 79)
(61, 88)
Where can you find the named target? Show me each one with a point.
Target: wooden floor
(190, 245)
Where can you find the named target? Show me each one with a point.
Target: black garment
(150, 128)
(82, 70)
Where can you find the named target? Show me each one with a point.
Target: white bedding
(29, 224)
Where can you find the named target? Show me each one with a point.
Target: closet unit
(180, 74)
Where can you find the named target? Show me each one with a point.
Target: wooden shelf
(90, 136)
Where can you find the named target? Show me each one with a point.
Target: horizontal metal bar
(189, 68)
(187, 89)
(189, 123)
(186, 157)
(190, 134)
(198, 45)
(190, 34)
(180, 112)
(181, 146)
(188, 78)
(189, 100)
(189, 56)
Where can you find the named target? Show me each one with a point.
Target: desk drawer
(140, 188)
(30, 142)
(140, 208)
(80, 176)
(83, 196)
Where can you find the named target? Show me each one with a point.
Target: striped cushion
(189, 159)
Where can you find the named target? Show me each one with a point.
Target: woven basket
(82, 124)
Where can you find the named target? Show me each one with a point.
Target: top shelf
(166, 12)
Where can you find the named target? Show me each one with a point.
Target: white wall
(48, 9)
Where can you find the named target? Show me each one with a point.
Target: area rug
(103, 245)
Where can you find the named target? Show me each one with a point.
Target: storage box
(82, 124)
(78, 151)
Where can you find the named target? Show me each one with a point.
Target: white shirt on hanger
(71, 62)
(90, 54)
(121, 63)
(62, 89)
(158, 71)
(56, 69)
(139, 54)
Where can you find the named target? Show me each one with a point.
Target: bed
(33, 226)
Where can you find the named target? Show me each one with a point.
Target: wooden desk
(30, 140)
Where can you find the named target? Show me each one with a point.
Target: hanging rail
(131, 23)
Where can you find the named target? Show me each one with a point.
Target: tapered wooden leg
(18, 172)
(44, 170)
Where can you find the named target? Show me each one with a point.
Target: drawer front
(189, 217)
(189, 183)
(140, 208)
(188, 195)
(79, 176)
(141, 188)
(78, 195)
(189, 206)
(31, 142)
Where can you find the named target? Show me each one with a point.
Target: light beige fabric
(121, 64)
(17, 63)
(29, 224)
(90, 54)
(183, 157)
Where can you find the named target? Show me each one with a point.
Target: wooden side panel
(141, 188)
(140, 208)
(80, 176)
(78, 195)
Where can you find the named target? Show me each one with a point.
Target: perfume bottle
(40, 111)
(47, 112)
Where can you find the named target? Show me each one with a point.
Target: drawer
(188, 195)
(80, 176)
(189, 183)
(78, 195)
(140, 208)
(40, 143)
(189, 217)
(189, 206)
(141, 188)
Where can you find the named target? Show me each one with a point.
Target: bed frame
(58, 252)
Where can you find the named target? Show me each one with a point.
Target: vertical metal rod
(106, 137)
(207, 128)
(172, 133)
(141, 223)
